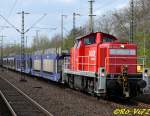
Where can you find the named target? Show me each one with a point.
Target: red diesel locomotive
(100, 65)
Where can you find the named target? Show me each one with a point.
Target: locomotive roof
(90, 34)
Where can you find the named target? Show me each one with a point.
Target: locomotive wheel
(83, 84)
(71, 81)
(141, 83)
(113, 88)
(90, 86)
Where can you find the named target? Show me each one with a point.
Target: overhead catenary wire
(101, 6)
(46, 28)
(12, 8)
(14, 27)
(22, 32)
(107, 4)
(35, 22)
(10, 23)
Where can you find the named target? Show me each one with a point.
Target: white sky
(53, 9)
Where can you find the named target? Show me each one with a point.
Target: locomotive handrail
(127, 64)
(79, 62)
(124, 58)
(66, 62)
(87, 63)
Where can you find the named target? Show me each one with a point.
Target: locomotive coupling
(123, 80)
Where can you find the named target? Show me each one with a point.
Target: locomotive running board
(80, 73)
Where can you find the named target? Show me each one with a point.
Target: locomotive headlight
(122, 46)
(139, 68)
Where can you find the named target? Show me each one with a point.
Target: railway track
(18, 103)
(68, 102)
(4, 110)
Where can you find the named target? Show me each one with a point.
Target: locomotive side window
(108, 39)
(89, 41)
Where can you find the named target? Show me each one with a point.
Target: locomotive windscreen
(122, 52)
(89, 41)
(107, 39)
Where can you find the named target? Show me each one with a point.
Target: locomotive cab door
(101, 83)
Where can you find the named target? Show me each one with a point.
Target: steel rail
(8, 105)
(31, 100)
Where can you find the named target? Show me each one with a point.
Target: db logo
(92, 53)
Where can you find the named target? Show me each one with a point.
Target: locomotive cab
(86, 50)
